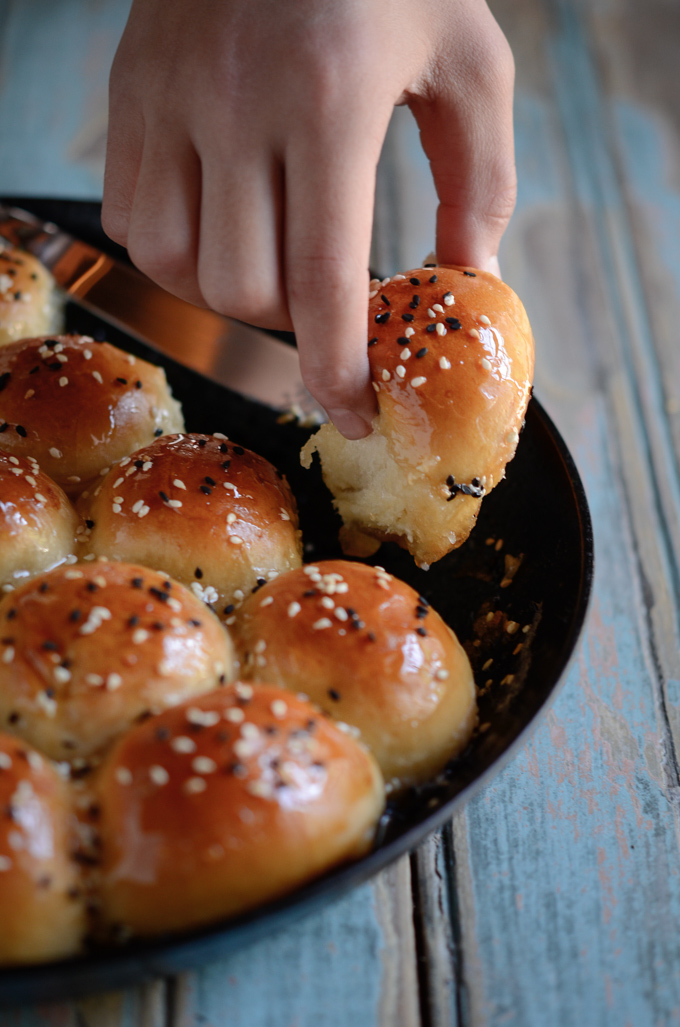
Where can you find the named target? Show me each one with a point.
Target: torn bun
(451, 356)
(217, 517)
(371, 653)
(78, 406)
(88, 649)
(226, 802)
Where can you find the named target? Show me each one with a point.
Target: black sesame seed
(433, 279)
(414, 281)
(133, 621)
(49, 692)
(381, 319)
(3, 427)
(431, 328)
(7, 641)
(34, 370)
(423, 601)
(167, 585)
(20, 430)
(309, 592)
(206, 491)
(453, 323)
(92, 586)
(421, 611)
(239, 450)
(224, 448)
(89, 524)
(450, 480)
(139, 464)
(55, 365)
(166, 499)
(194, 623)
(226, 465)
(407, 317)
(470, 274)
(74, 616)
(229, 609)
(371, 636)
(198, 573)
(50, 647)
(65, 664)
(157, 433)
(415, 302)
(43, 586)
(384, 298)
(476, 482)
(157, 626)
(356, 623)
(422, 352)
(162, 734)
(13, 717)
(34, 277)
(158, 594)
(372, 342)
(138, 384)
(421, 631)
(202, 442)
(137, 582)
(11, 614)
(209, 481)
(123, 381)
(334, 694)
(403, 340)
(51, 343)
(429, 265)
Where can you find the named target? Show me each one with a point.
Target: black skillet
(528, 625)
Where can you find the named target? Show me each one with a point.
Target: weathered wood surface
(554, 898)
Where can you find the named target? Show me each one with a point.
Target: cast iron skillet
(541, 515)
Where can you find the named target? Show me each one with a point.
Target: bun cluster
(451, 356)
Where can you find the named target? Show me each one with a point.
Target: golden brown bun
(371, 653)
(215, 516)
(29, 303)
(448, 420)
(37, 523)
(85, 650)
(75, 405)
(42, 912)
(225, 802)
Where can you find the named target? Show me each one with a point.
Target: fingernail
(351, 425)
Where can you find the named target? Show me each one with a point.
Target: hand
(243, 143)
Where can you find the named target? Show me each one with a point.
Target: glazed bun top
(216, 516)
(78, 406)
(37, 523)
(225, 802)
(87, 649)
(43, 915)
(29, 303)
(370, 652)
(451, 356)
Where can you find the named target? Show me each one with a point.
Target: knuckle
(164, 259)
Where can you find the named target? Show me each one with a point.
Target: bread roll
(29, 301)
(452, 357)
(87, 649)
(37, 522)
(226, 802)
(42, 911)
(371, 653)
(78, 406)
(214, 515)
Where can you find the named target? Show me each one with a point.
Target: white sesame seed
(267, 601)
(441, 674)
(375, 386)
(29, 393)
(444, 363)
(63, 381)
(512, 436)
(243, 748)
(243, 691)
(279, 708)
(39, 496)
(341, 613)
(62, 675)
(285, 516)
(235, 715)
(236, 540)
(87, 353)
(328, 603)
(484, 319)
(55, 453)
(398, 278)
(474, 333)
(139, 635)
(511, 627)
(441, 329)
(373, 294)
(194, 785)
(8, 654)
(138, 506)
(158, 774)
(113, 682)
(94, 679)
(174, 604)
(404, 355)
(147, 465)
(430, 312)
(123, 776)
(386, 375)
(448, 299)
(118, 499)
(182, 743)
(73, 575)
(143, 511)
(203, 765)
(97, 377)
(401, 370)
(5, 864)
(485, 364)
(261, 789)
(438, 307)
(175, 503)
(408, 332)
(322, 623)
(342, 586)
(417, 382)
(5, 761)
(250, 731)
(231, 518)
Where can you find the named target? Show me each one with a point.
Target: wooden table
(554, 897)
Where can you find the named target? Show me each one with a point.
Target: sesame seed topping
(484, 319)
(322, 623)
(405, 354)
(113, 682)
(55, 453)
(417, 382)
(62, 675)
(401, 370)
(444, 363)
(158, 774)
(29, 393)
(203, 765)
(261, 789)
(179, 484)
(194, 785)
(438, 307)
(485, 364)
(123, 776)
(441, 329)
(421, 352)
(473, 333)
(139, 636)
(375, 386)
(236, 540)
(441, 674)
(8, 654)
(184, 744)
(97, 377)
(386, 375)
(63, 381)
(294, 609)
(408, 332)
(5, 761)
(234, 715)
(279, 708)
